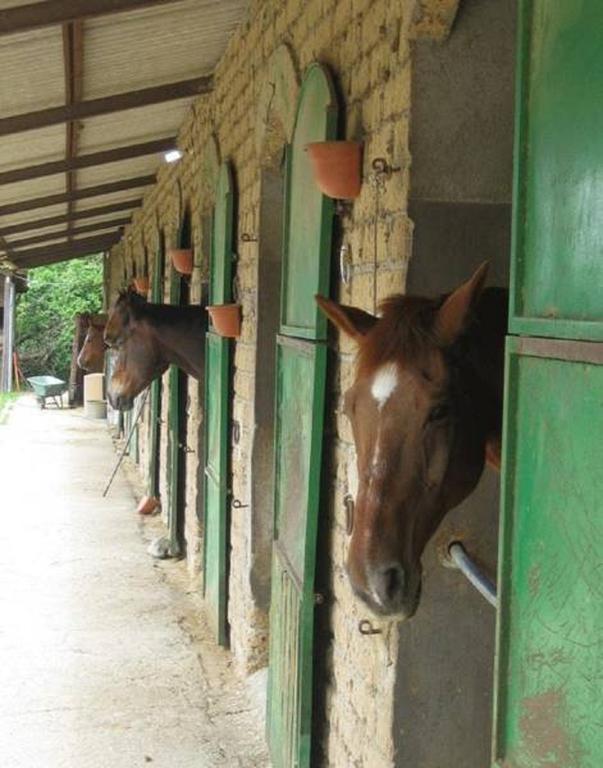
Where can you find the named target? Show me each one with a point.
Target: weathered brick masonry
(367, 46)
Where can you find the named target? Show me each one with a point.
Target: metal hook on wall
(366, 628)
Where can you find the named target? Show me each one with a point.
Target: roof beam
(46, 236)
(78, 194)
(88, 161)
(73, 62)
(51, 12)
(64, 251)
(27, 226)
(144, 97)
(5, 246)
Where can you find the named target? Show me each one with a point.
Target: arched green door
(301, 365)
(217, 397)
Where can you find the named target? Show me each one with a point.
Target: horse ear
(453, 316)
(352, 321)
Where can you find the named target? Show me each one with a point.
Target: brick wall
(365, 43)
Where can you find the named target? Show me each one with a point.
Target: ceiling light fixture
(173, 155)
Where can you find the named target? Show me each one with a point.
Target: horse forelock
(403, 333)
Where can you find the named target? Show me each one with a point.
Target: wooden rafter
(50, 221)
(64, 251)
(73, 61)
(88, 161)
(78, 194)
(155, 94)
(96, 226)
(54, 12)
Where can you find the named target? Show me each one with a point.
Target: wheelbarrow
(48, 386)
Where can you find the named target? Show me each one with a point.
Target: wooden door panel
(557, 270)
(549, 707)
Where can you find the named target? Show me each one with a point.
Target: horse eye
(439, 413)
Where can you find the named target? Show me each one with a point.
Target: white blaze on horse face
(384, 383)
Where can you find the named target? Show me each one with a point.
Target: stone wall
(246, 119)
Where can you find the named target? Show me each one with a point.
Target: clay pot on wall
(337, 167)
(182, 259)
(141, 285)
(226, 319)
(148, 505)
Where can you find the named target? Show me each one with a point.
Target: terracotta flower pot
(141, 285)
(226, 319)
(148, 504)
(182, 259)
(336, 166)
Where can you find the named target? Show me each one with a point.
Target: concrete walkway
(104, 657)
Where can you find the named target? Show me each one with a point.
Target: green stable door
(177, 425)
(300, 398)
(549, 670)
(156, 386)
(216, 416)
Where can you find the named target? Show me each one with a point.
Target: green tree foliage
(45, 314)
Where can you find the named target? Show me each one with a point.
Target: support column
(6, 380)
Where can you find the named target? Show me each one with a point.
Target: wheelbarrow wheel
(41, 402)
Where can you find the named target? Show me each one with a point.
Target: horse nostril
(389, 583)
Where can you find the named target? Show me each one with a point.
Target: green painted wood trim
(519, 152)
(219, 478)
(155, 404)
(215, 512)
(562, 329)
(509, 451)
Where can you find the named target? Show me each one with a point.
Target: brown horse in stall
(426, 413)
(148, 338)
(92, 354)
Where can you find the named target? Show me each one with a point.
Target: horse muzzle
(390, 591)
(120, 402)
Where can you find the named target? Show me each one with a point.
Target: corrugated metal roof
(126, 169)
(24, 190)
(19, 149)
(135, 125)
(193, 35)
(32, 71)
(122, 52)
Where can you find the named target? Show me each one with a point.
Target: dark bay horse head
(423, 406)
(132, 367)
(147, 338)
(92, 354)
(136, 357)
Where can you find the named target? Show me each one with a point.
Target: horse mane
(158, 314)
(404, 331)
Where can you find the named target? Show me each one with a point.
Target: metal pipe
(469, 569)
(127, 443)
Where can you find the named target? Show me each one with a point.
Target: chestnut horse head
(92, 354)
(146, 339)
(425, 403)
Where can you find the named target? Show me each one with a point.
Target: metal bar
(469, 569)
(77, 194)
(88, 161)
(26, 226)
(127, 443)
(558, 349)
(53, 12)
(119, 102)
